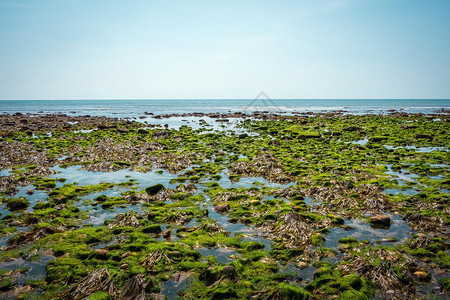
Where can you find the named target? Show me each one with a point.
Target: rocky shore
(301, 206)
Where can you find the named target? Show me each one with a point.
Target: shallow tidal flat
(256, 206)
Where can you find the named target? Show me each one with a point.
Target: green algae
(15, 204)
(337, 161)
(330, 282)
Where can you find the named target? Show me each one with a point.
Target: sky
(304, 49)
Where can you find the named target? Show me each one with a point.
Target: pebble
(302, 265)
(420, 274)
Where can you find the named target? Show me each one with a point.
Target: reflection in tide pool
(205, 123)
(249, 232)
(222, 255)
(361, 230)
(417, 149)
(360, 142)
(402, 175)
(35, 269)
(296, 273)
(5, 172)
(82, 177)
(397, 191)
(248, 182)
(171, 288)
(98, 216)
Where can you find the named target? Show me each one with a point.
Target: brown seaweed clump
(419, 222)
(262, 165)
(346, 200)
(100, 280)
(390, 271)
(294, 231)
(125, 219)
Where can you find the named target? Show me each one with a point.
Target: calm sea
(133, 108)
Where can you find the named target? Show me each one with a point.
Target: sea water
(134, 108)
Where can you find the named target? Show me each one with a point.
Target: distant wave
(134, 108)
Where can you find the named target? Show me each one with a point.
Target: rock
(101, 253)
(180, 276)
(60, 206)
(143, 131)
(440, 272)
(222, 208)
(154, 228)
(267, 260)
(389, 240)
(297, 208)
(421, 275)
(302, 265)
(48, 252)
(124, 266)
(11, 259)
(254, 201)
(16, 223)
(31, 220)
(30, 192)
(17, 204)
(380, 220)
(212, 274)
(20, 290)
(347, 228)
(166, 234)
(344, 247)
(154, 189)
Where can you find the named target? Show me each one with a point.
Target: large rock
(421, 275)
(154, 189)
(222, 208)
(380, 220)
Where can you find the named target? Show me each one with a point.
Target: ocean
(134, 108)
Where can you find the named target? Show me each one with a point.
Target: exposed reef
(267, 206)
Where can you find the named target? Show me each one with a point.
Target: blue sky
(104, 49)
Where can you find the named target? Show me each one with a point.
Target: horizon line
(121, 99)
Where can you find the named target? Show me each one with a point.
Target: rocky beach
(229, 205)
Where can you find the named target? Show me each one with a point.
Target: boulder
(380, 220)
(154, 189)
(222, 208)
(101, 253)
